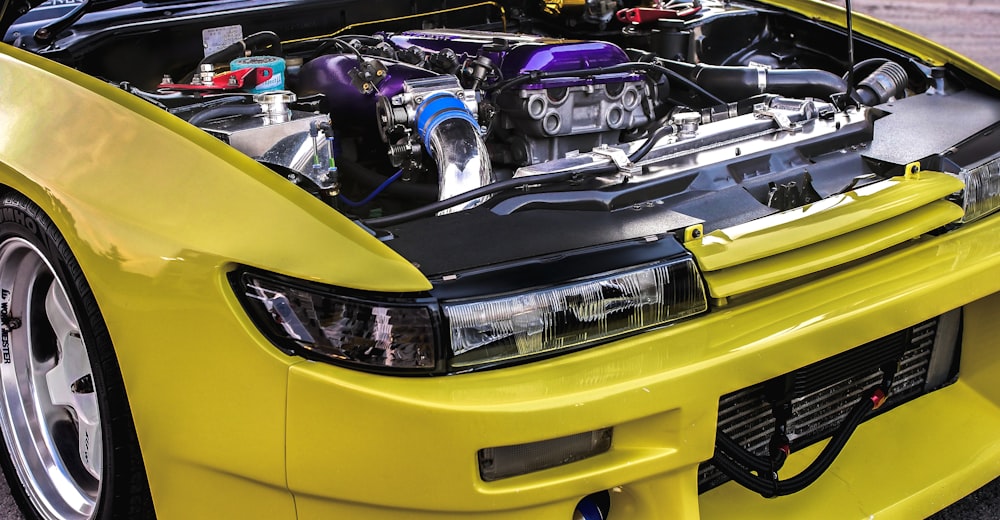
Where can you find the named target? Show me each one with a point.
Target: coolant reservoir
(276, 81)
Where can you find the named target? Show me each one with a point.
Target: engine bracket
(620, 158)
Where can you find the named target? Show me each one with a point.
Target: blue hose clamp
(438, 108)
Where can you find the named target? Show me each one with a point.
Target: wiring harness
(759, 473)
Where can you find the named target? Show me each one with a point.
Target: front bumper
(367, 446)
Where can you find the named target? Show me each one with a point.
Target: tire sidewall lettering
(5, 353)
(12, 218)
(23, 219)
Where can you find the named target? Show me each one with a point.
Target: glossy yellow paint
(659, 391)
(831, 253)
(930, 52)
(231, 428)
(828, 218)
(188, 181)
(156, 212)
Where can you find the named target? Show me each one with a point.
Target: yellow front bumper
(367, 446)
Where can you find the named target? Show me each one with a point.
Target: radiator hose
(732, 83)
(225, 111)
(735, 83)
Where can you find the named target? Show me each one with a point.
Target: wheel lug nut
(84, 385)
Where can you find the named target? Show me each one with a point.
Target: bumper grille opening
(822, 393)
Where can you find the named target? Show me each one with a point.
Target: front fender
(156, 212)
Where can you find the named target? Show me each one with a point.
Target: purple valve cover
(517, 54)
(513, 54)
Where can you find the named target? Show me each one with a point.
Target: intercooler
(821, 394)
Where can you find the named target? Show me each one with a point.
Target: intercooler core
(821, 394)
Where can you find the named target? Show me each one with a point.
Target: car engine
(621, 119)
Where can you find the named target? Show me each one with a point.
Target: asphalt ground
(971, 27)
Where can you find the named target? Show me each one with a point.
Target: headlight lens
(575, 314)
(313, 320)
(982, 190)
(409, 332)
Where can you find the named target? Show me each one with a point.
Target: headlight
(410, 333)
(982, 190)
(317, 321)
(572, 315)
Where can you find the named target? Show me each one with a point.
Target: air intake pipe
(436, 117)
(887, 82)
(739, 83)
(735, 83)
(450, 134)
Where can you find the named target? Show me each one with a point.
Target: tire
(70, 446)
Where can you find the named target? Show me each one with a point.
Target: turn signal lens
(519, 459)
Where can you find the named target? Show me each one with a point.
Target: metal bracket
(694, 232)
(784, 123)
(619, 157)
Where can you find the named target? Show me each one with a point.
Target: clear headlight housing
(335, 325)
(419, 333)
(575, 314)
(981, 196)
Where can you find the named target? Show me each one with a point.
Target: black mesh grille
(822, 393)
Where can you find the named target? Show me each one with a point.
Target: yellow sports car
(528, 259)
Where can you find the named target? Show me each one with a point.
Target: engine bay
(547, 125)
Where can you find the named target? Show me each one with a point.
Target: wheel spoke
(71, 381)
(91, 453)
(60, 315)
(49, 395)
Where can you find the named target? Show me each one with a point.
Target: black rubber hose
(225, 55)
(744, 457)
(735, 83)
(801, 83)
(765, 482)
(886, 82)
(861, 65)
(225, 111)
(651, 141)
(742, 476)
(264, 40)
(829, 453)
